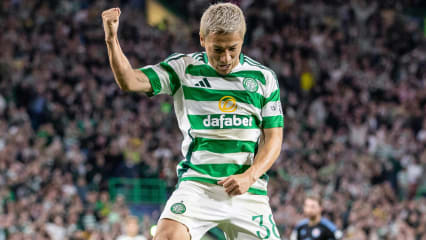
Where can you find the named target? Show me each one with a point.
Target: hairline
(242, 34)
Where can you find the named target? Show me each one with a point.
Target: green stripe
(223, 146)
(153, 79)
(196, 121)
(201, 70)
(257, 191)
(174, 79)
(272, 122)
(275, 96)
(206, 59)
(203, 94)
(205, 70)
(214, 181)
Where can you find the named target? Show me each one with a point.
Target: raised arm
(127, 78)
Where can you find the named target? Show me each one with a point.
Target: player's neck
(314, 221)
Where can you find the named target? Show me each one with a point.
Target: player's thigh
(252, 219)
(169, 229)
(196, 206)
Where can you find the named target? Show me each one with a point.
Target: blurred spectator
(131, 226)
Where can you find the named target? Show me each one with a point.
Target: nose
(226, 57)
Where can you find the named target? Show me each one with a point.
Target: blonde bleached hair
(222, 18)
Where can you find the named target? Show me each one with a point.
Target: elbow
(121, 82)
(123, 88)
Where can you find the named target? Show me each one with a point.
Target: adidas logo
(203, 83)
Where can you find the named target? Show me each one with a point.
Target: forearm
(123, 72)
(267, 154)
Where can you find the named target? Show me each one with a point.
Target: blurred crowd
(353, 88)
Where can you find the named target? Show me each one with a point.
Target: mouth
(224, 67)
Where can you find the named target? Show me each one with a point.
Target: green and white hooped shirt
(220, 116)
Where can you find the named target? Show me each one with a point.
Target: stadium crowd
(353, 87)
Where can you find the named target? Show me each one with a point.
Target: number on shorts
(268, 232)
(274, 227)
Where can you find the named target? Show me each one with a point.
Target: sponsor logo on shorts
(178, 208)
(250, 84)
(228, 104)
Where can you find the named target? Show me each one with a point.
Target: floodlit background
(79, 158)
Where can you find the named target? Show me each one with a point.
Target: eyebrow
(233, 46)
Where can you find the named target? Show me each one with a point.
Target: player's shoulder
(199, 57)
(328, 224)
(253, 65)
(187, 58)
(302, 223)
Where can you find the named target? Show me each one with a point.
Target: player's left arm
(269, 145)
(269, 150)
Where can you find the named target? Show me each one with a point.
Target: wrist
(251, 174)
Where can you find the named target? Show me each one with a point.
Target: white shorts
(202, 206)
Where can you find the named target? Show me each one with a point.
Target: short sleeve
(272, 114)
(164, 76)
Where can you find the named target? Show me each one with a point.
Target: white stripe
(260, 184)
(206, 157)
(182, 118)
(212, 107)
(272, 109)
(218, 83)
(192, 173)
(229, 134)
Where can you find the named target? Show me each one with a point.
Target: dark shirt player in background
(315, 227)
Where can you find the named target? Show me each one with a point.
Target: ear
(202, 40)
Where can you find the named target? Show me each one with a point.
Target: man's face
(223, 50)
(311, 208)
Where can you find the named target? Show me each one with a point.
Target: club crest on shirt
(250, 84)
(316, 232)
(178, 208)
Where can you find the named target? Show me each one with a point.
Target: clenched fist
(110, 20)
